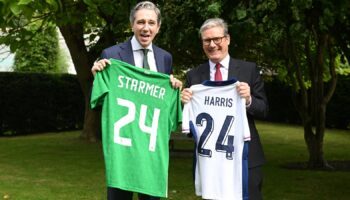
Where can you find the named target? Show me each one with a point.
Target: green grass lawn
(60, 166)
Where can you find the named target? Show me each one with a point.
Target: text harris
(218, 101)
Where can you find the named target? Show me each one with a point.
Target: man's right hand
(99, 65)
(186, 95)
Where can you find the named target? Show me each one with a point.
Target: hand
(176, 83)
(99, 65)
(243, 90)
(186, 95)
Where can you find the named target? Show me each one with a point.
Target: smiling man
(221, 67)
(139, 51)
(145, 21)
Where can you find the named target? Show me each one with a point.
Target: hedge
(39, 102)
(35, 102)
(282, 108)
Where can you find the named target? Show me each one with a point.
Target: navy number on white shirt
(220, 145)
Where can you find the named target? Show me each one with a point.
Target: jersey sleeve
(176, 111)
(179, 109)
(246, 130)
(186, 118)
(99, 89)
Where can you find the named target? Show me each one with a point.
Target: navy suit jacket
(124, 53)
(244, 72)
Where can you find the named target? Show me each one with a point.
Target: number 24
(208, 130)
(130, 117)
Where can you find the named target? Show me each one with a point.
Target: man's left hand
(176, 83)
(243, 90)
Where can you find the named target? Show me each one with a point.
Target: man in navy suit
(215, 41)
(145, 22)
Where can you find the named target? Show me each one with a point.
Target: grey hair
(214, 22)
(145, 5)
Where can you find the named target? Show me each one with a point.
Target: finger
(187, 90)
(97, 66)
(180, 86)
(175, 83)
(102, 64)
(185, 99)
(172, 80)
(178, 82)
(186, 94)
(107, 61)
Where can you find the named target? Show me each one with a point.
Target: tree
(305, 41)
(40, 54)
(180, 30)
(302, 41)
(86, 25)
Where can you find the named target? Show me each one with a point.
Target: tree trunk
(315, 111)
(314, 142)
(73, 35)
(314, 135)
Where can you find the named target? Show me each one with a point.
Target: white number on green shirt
(130, 117)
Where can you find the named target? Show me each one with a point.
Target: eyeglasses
(216, 40)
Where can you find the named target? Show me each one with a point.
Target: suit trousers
(118, 194)
(255, 181)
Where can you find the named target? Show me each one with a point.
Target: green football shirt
(139, 111)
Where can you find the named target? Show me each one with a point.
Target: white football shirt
(216, 116)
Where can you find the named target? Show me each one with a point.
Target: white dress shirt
(224, 72)
(224, 68)
(138, 55)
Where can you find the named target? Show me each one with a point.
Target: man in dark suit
(216, 40)
(145, 22)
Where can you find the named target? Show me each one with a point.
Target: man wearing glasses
(215, 42)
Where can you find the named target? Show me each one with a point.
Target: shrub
(35, 102)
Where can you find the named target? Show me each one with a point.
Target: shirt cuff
(250, 102)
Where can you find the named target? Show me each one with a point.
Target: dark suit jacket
(245, 72)
(124, 53)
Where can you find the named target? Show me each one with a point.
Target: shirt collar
(135, 45)
(224, 62)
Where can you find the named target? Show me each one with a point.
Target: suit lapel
(234, 69)
(159, 59)
(205, 73)
(127, 54)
